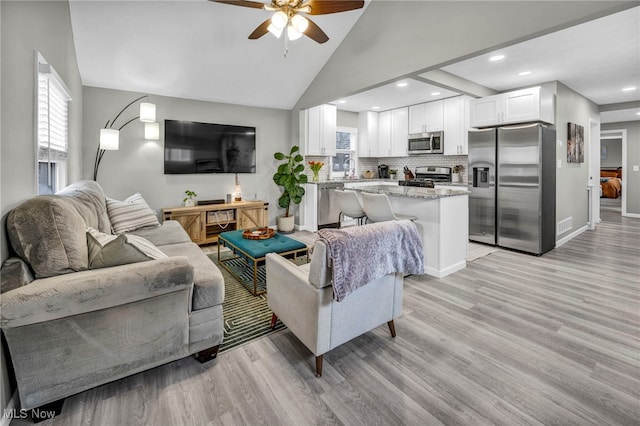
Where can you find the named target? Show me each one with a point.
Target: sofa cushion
(208, 289)
(88, 199)
(170, 232)
(130, 214)
(48, 233)
(107, 250)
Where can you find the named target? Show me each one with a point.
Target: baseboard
(441, 273)
(635, 215)
(11, 407)
(571, 236)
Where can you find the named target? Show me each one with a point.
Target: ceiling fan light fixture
(300, 23)
(275, 31)
(305, 9)
(279, 20)
(292, 33)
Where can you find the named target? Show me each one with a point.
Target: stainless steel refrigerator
(512, 184)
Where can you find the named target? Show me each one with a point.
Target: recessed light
(435, 93)
(342, 101)
(523, 73)
(496, 58)
(629, 89)
(402, 84)
(638, 113)
(375, 107)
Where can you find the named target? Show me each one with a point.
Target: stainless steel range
(428, 176)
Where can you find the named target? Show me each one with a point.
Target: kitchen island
(442, 221)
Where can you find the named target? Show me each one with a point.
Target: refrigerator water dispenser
(481, 177)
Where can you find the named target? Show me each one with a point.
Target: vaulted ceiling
(199, 50)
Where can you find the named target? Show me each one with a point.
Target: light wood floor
(510, 340)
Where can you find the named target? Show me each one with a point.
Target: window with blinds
(52, 130)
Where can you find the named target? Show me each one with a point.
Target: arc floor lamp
(110, 135)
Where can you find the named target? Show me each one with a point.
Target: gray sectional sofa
(70, 328)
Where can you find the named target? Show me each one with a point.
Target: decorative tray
(258, 233)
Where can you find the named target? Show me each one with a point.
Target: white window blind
(52, 129)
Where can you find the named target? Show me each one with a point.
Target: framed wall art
(575, 143)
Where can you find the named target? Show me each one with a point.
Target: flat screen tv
(191, 147)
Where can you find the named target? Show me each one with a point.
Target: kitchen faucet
(348, 168)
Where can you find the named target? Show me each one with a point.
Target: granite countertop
(412, 191)
(347, 180)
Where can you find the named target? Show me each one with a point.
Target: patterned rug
(246, 317)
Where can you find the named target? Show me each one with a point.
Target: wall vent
(564, 225)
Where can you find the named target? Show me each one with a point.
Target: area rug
(246, 317)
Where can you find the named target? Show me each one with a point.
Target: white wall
(138, 166)
(27, 27)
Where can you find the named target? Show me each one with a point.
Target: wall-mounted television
(191, 147)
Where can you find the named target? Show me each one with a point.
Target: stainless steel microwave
(426, 143)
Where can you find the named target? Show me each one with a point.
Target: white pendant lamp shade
(300, 23)
(152, 131)
(279, 20)
(147, 112)
(109, 139)
(292, 33)
(275, 31)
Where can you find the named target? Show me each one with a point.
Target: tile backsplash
(399, 163)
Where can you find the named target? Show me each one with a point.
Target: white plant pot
(190, 202)
(285, 224)
(455, 177)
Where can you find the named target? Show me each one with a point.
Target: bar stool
(349, 205)
(378, 208)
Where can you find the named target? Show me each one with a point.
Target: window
(345, 161)
(52, 129)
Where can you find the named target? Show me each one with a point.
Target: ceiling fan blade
(244, 3)
(261, 30)
(314, 32)
(324, 7)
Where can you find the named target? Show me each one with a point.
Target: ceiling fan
(288, 16)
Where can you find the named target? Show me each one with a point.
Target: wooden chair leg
(274, 320)
(207, 354)
(319, 366)
(392, 328)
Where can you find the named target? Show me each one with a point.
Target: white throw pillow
(130, 214)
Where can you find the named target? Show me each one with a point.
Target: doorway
(613, 156)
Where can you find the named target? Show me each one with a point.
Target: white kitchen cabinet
(426, 117)
(399, 132)
(456, 125)
(384, 134)
(519, 106)
(368, 134)
(318, 130)
(393, 128)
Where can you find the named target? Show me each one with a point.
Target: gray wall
(632, 179)
(572, 178)
(347, 119)
(138, 166)
(614, 153)
(27, 27)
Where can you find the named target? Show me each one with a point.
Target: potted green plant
(189, 200)
(290, 176)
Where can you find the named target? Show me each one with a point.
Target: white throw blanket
(361, 254)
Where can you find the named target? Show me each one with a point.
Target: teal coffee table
(250, 254)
